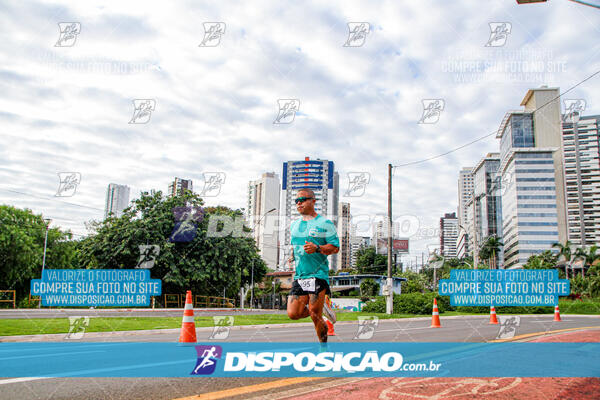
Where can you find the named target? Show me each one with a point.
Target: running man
(313, 238)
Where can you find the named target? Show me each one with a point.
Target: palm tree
(490, 248)
(565, 252)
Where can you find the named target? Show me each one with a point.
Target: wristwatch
(318, 249)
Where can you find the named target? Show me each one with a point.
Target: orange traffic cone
(330, 330)
(188, 327)
(556, 314)
(493, 319)
(435, 316)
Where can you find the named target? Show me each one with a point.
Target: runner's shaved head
(307, 191)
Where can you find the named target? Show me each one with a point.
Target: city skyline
(358, 106)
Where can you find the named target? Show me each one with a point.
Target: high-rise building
(117, 199)
(531, 167)
(343, 226)
(582, 178)
(357, 243)
(262, 214)
(488, 201)
(448, 234)
(465, 192)
(319, 176)
(178, 186)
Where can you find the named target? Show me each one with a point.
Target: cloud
(67, 109)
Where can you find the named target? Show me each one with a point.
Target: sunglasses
(302, 199)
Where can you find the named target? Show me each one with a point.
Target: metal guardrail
(178, 301)
(14, 297)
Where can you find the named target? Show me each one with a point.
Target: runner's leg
(315, 307)
(296, 306)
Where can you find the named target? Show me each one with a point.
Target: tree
(368, 262)
(415, 282)
(369, 287)
(564, 251)
(489, 250)
(22, 235)
(207, 265)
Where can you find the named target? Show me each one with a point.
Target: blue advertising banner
(532, 287)
(96, 287)
(235, 359)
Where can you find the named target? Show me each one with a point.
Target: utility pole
(47, 221)
(389, 305)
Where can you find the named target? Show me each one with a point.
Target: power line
(492, 133)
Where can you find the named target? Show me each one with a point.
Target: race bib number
(308, 285)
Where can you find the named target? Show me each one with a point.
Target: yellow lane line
(527, 335)
(248, 389)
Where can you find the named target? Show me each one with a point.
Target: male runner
(313, 238)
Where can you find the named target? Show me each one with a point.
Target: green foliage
(369, 287)
(22, 236)
(368, 262)
(205, 265)
(411, 303)
(415, 283)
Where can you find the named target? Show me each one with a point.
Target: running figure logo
(186, 219)
(222, 327)
(573, 106)
(148, 254)
(357, 183)
(499, 32)
(432, 109)
(212, 34)
(207, 359)
(357, 33)
(508, 326)
(287, 111)
(68, 34)
(212, 184)
(68, 183)
(77, 327)
(142, 110)
(366, 327)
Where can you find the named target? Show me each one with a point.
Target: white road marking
(19, 380)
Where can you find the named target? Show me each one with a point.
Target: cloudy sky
(66, 103)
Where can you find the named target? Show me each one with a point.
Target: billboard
(399, 246)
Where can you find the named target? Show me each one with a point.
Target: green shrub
(410, 303)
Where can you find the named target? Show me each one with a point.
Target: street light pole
(47, 220)
(389, 306)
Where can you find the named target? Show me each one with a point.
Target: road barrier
(14, 297)
(178, 301)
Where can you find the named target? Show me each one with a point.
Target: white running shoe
(329, 314)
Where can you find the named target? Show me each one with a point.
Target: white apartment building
(583, 180)
(117, 199)
(448, 235)
(262, 213)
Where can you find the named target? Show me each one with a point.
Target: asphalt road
(454, 329)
